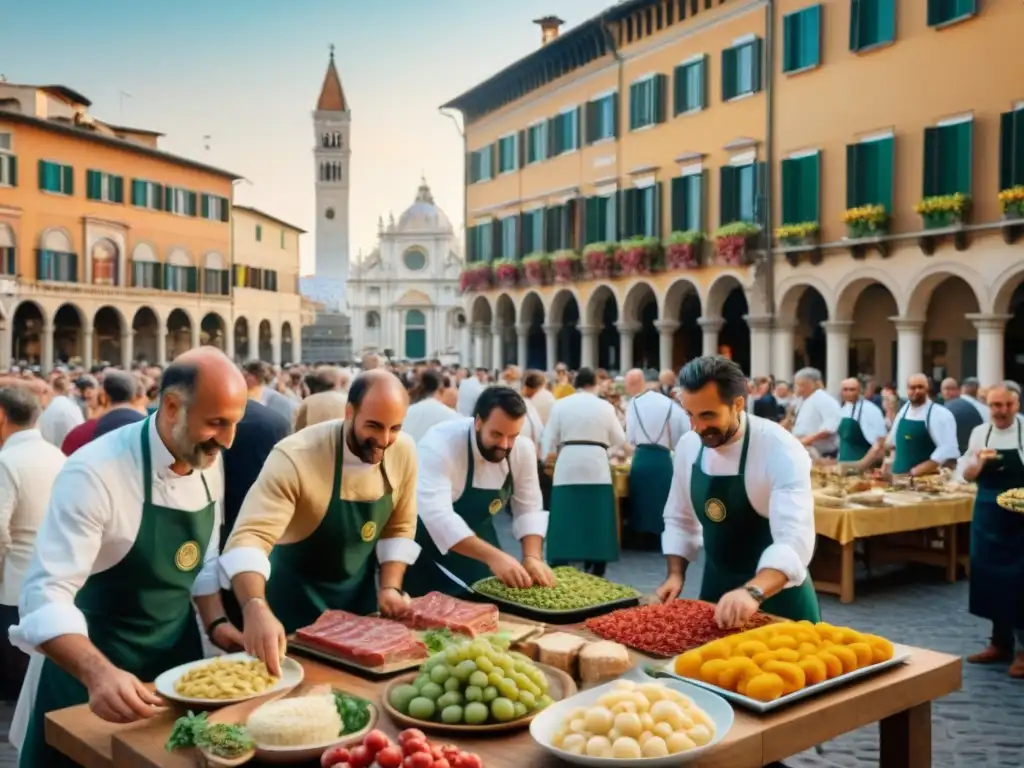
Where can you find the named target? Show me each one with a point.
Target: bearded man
(129, 541)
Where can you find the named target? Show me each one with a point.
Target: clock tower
(332, 122)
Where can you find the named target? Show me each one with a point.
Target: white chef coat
(816, 413)
(582, 416)
(653, 418)
(59, 418)
(533, 426)
(980, 407)
(423, 415)
(778, 484)
(543, 399)
(941, 428)
(870, 418)
(469, 392)
(443, 466)
(28, 466)
(1000, 439)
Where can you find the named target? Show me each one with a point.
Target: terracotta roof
(332, 98)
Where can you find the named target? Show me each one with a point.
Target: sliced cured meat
(365, 640)
(436, 610)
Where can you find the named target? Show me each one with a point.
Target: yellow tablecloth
(906, 514)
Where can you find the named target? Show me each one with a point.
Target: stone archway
(683, 306)
(505, 324)
(564, 313)
(603, 314)
(212, 331)
(68, 333)
(949, 338)
(531, 314)
(108, 327)
(802, 311)
(734, 338)
(870, 306)
(179, 333)
(242, 336)
(146, 327)
(287, 344)
(639, 315)
(266, 342)
(27, 328)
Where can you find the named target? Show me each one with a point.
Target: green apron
(139, 612)
(853, 446)
(913, 444)
(997, 543)
(477, 507)
(735, 537)
(650, 479)
(332, 568)
(582, 524)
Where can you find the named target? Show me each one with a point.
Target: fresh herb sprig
(222, 739)
(355, 712)
(437, 640)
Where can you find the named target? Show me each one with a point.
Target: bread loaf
(560, 650)
(604, 660)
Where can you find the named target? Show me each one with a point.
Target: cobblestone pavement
(980, 725)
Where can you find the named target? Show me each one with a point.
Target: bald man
(861, 426)
(923, 434)
(128, 543)
(326, 500)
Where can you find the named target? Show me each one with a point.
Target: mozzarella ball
(599, 746)
(680, 742)
(575, 743)
(663, 730)
(628, 724)
(699, 734)
(626, 749)
(655, 747)
(597, 720)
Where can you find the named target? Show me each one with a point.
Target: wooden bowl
(560, 686)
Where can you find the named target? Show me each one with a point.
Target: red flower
(682, 256)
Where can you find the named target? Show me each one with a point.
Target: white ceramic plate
(291, 675)
(901, 653)
(544, 726)
(288, 755)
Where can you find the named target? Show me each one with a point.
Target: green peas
(573, 590)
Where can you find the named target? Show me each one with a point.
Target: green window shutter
(615, 115)
(963, 134)
(494, 159)
(137, 192)
(551, 132)
(69, 180)
(12, 166)
(1006, 150)
(884, 159)
(790, 191)
(42, 174)
(728, 73)
(191, 203)
(158, 197)
(886, 20)
(119, 189)
(856, 10)
(225, 286)
(726, 195)
(225, 209)
(790, 41)
(931, 162)
(204, 202)
(660, 88)
(527, 234)
(92, 185)
(471, 249)
(679, 90)
(579, 128)
(590, 219)
(811, 178)
(191, 279)
(756, 64)
(588, 122)
(853, 168)
(939, 12)
(679, 203)
(633, 104)
(656, 210)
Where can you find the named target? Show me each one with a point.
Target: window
(741, 69)
(1011, 148)
(259, 233)
(533, 231)
(800, 181)
(558, 227)
(217, 282)
(509, 242)
(8, 161)
(872, 22)
(647, 102)
(537, 143)
(214, 208)
(480, 164)
(56, 178)
(738, 191)
(104, 187)
(55, 265)
(869, 166)
(601, 220)
(282, 239)
(483, 242)
(507, 155)
(8, 262)
(146, 274)
(688, 201)
(179, 279)
(642, 211)
(942, 12)
(801, 39)
(947, 158)
(690, 89)
(415, 335)
(147, 194)
(270, 280)
(564, 132)
(414, 259)
(180, 201)
(602, 118)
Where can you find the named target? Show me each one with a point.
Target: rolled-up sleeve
(397, 541)
(434, 495)
(942, 429)
(683, 535)
(528, 515)
(790, 512)
(67, 544)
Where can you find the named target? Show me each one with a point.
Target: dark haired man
(741, 489)
(429, 409)
(469, 470)
(327, 498)
(128, 543)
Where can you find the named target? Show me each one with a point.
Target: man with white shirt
(654, 424)
(62, 414)
(28, 467)
(535, 391)
(581, 429)
(128, 543)
(923, 434)
(817, 416)
(430, 408)
(995, 461)
(741, 490)
(469, 390)
(862, 426)
(469, 469)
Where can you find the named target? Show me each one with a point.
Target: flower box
(866, 221)
(476, 277)
(941, 211)
(566, 266)
(599, 259)
(683, 249)
(797, 235)
(537, 269)
(639, 256)
(734, 242)
(1012, 202)
(506, 273)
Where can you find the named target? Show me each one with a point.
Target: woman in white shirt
(429, 408)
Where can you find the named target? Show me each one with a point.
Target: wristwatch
(755, 592)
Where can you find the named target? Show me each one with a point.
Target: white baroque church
(403, 296)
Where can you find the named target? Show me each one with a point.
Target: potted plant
(682, 249)
(866, 221)
(940, 211)
(475, 277)
(639, 255)
(537, 269)
(1012, 202)
(804, 233)
(566, 264)
(599, 259)
(506, 273)
(734, 240)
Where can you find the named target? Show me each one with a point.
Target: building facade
(111, 249)
(404, 295)
(741, 136)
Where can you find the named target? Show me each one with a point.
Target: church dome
(423, 215)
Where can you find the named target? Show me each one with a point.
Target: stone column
(837, 353)
(161, 346)
(710, 328)
(497, 345)
(6, 343)
(760, 344)
(666, 342)
(627, 331)
(910, 349)
(296, 343)
(87, 341)
(275, 346)
(127, 348)
(522, 344)
(229, 341)
(46, 348)
(551, 332)
(588, 346)
(991, 332)
(479, 360)
(782, 354)
(195, 329)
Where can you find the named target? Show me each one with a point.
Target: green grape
(519, 708)
(529, 686)
(449, 698)
(508, 689)
(478, 679)
(484, 664)
(420, 681)
(474, 693)
(421, 708)
(440, 673)
(490, 693)
(520, 679)
(451, 714)
(400, 697)
(464, 670)
(452, 684)
(544, 701)
(476, 713)
(536, 675)
(527, 699)
(502, 709)
(506, 663)
(452, 654)
(519, 665)
(477, 648)
(495, 677)
(431, 691)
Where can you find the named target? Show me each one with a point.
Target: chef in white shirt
(817, 416)
(654, 424)
(741, 490)
(543, 399)
(61, 414)
(469, 469)
(469, 390)
(862, 429)
(128, 543)
(923, 434)
(430, 408)
(581, 429)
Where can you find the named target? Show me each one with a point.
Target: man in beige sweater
(327, 498)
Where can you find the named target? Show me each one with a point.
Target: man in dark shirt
(120, 390)
(964, 412)
(765, 405)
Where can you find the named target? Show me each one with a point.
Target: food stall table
(899, 699)
(908, 513)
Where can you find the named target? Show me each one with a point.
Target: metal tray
(573, 616)
(374, 673)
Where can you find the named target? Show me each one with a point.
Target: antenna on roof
(121, 96)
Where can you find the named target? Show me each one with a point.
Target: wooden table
(900, 699)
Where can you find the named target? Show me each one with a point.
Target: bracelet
(214, 624)
(400, 591)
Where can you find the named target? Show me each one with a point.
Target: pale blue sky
(248, 72)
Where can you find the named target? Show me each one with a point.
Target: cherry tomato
(450, 752)
(333, 756)
(390, 757)
(360, 757)
(442, 763)
(340, 765)
(411, 733)
(420, 760)
(436, 752)
(375, 741)
(413, 746)
(469, 760)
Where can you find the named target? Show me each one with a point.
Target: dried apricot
(865, 656)
(689, 664)
(814, 669)
(765, 687)
(793, 678)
